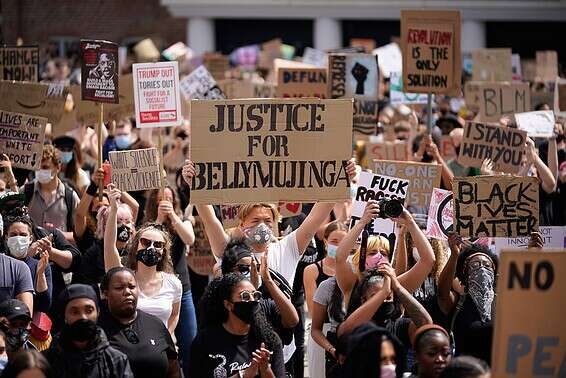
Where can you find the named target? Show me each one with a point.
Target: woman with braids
(140, 336)
(234, 338)
(149, 256)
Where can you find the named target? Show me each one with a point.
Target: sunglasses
(247, 296)
(244, 269)
(131, 336)
(146, 243)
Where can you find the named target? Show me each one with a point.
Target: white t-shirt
(161, 304)
(284, 256)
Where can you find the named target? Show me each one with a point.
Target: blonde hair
(374, 242)
(246, 209)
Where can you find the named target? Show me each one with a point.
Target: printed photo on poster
(99, 71)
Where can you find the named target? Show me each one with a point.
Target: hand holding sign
(114, 195)
(188, 171)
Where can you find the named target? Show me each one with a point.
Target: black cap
(13, 308)
(64, 141)
(75, 291)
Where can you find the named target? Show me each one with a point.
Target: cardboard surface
(389, 58)
(552, 237)
(315, 57)
(498, 99)
(560, 97)
(547, 65)
(388, 151)
(200, 258)
(301, 82)
(99, 71)
(492, 65)
(19, 63)
(21, 138)
(135, 170)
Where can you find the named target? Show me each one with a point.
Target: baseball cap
(13, 308)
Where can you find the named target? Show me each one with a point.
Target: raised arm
(132, 203)
(81, 212)
(547, 180)
(319, 314)
(111, 255)
(400, 257)
(289, 316)
(446, 298)
(446, 172)
(309, 283)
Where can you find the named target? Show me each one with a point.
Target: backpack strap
(69, 204)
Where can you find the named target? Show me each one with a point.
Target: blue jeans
(186, 329)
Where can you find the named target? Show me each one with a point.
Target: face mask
(3, 361)
(15, 339)
(480, 288)
(81, 330)
(374, 260)
(386, 311)
(331, 250)
(388, 371)
(245, 310)
(124, 233)
(44, 176)
(122, 141)
(260, 234)
(148, 256)
(18, 246)
(66, 157)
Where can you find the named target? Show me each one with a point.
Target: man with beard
(81, 349)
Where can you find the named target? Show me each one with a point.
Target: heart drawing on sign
(293, 207)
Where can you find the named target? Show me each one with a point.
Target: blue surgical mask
(122, 141)
(3, 361)
(331, 250)
(66, 157)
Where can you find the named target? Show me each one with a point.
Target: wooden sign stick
(99, 159)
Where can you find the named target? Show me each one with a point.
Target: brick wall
(116, 20)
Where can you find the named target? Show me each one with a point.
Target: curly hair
(234, 251)
(165, 265)
(466, 253)
(51, 153)
(213, 312)
(9, 221)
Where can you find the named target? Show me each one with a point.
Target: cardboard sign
(547, 65)
(491, 206)
(388, 151)
(270, 51)
(21, 138)
(529, 335)
(430, 42)
(43, 100)
(398, 97)
(315, 57)
(356, 76)
(88, 112)
(19, 63)
(99, 71)
(217, 65)
(390, 59)
(472, 95)
(492, 65)
(200, 85)
(135, 169)
(376, 187)
(422, 177)
(301, 82)
(560, 97)
(517, 74)
(229, 215)
(289, 209)
(497, 99)
(200, 258)
(367, 44)
(266, 150)
(440, 215)
(156, 94)
(539, 124)
(552, 237)
(505, 147)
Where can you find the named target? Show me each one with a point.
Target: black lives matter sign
(99, 71)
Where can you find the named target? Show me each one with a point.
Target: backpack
(69, 200)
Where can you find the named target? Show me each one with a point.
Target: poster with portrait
(99, 71)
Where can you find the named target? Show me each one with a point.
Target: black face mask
(387, 311)
(81, 330)
(124, 233)
(245, 311)
(15, 339)
(148, 256)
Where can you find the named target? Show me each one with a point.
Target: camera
(390, 208)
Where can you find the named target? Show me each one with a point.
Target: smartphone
(107, 173)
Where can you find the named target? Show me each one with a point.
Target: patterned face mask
(259, 235)
(480, 288)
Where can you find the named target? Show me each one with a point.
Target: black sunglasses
(146, 243)
(131, 336)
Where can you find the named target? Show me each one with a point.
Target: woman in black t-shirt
(234, 338)
(142, 337)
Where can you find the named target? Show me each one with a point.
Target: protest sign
(472, 95)
(177, 51)
(440, 217)
(539, 124)
(552, 237)
(234, 89)
(367, 44)
(88, 112)
(21, 138)
(156, 94)
(229, 215)
(505, 147)
(398, 97)
(217, 65)
(492, 65)
(422, 177)
(498, 99)
(547, 65)
(388, 151)
(505, 206)
(19, 63)
(301, 82)
(200, 258)
(146, 51)
(99, 71)
(270, 150)
(270, 51)
(377, 187)
(200, 85)
(44, 100)
(289, 209)
(560, 97)
(389, 59)
(430, 42)
(315, 57)
(529, 337)
(134, 170)
(356, 76)
(516, 67)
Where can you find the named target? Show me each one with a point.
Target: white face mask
(388, 371)
(18, 246)
(44, 176)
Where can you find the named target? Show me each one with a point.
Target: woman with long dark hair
(71, 162)
(234, 338)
